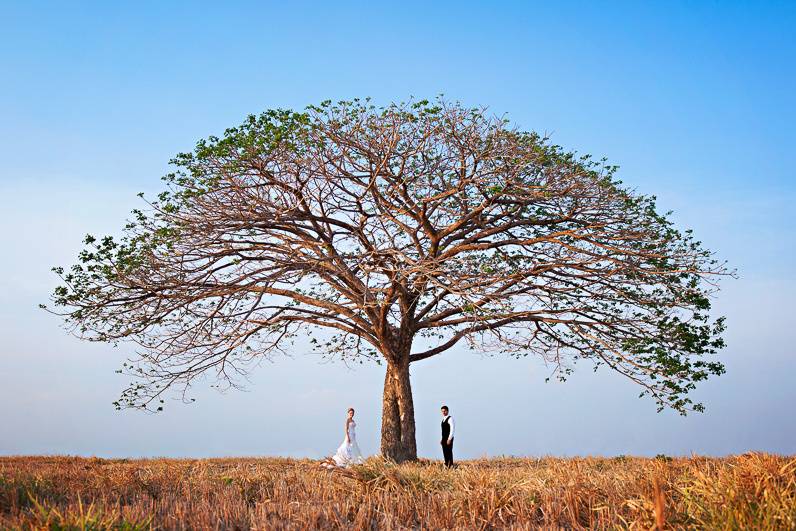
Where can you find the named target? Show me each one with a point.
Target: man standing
(448, 426)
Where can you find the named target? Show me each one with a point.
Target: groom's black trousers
(447, 452)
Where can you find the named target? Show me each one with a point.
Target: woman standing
(348, 453)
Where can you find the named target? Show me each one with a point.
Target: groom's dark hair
(445, 408)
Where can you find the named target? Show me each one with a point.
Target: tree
(402, 231)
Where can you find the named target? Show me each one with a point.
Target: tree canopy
(403, 231)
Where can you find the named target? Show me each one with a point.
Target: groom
(448, 426)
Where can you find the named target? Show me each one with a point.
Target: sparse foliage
(403, 231)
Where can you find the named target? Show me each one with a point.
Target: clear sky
(694, 100)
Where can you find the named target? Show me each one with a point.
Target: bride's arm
(347, 421)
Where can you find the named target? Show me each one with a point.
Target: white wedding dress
(348, 453)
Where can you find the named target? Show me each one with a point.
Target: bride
(348, 453)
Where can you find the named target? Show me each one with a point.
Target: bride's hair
(350, 410)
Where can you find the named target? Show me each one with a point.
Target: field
(750, 491)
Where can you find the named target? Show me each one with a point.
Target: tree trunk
(398, 414)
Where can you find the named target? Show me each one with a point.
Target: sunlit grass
(751, 491)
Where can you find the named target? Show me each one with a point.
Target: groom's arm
(453, 429)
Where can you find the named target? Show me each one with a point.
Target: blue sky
(694, 101)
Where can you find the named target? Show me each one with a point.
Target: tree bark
(398, 414)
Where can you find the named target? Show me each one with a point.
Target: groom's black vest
(446, 429)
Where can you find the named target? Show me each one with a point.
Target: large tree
(402, 231)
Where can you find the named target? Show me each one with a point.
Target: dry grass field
(751, 491)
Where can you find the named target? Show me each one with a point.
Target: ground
(750, 491)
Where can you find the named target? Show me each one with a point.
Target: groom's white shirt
(452, 424)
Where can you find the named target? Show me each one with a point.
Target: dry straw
(750, 491)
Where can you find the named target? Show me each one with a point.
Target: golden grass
(750, 491)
